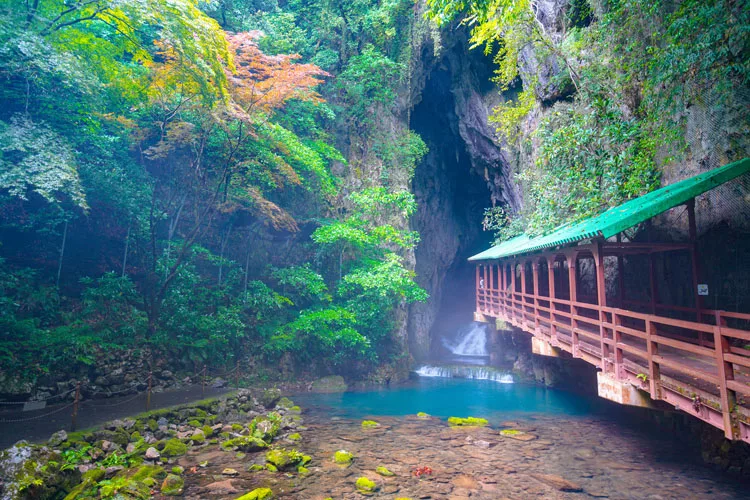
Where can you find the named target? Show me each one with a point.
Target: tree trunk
(62, 252)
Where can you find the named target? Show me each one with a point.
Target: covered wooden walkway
(568, 290)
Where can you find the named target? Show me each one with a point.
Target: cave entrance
(451, 198)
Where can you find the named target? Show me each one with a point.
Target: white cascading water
(471, 342)
(471, 372)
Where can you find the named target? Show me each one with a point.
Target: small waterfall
(470, 372)
(471, 341)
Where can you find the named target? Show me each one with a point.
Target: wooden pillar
(726, 373)
(513, 289)
(523, 292)
(503, 288)
(491, 289)
(620, 274)
(552, 297)
(601, 296)
(654, 370)
(695, 268)
(572, 284)
(535, 278)
(476, 288)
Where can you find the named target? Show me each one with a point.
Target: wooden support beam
(726, 373)
(535, 278)
(572, 259)
(476, 289)
(552, 297)
(695, 268)
(601, 295)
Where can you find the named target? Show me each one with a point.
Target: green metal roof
(617, 219)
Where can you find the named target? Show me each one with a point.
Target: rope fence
(79, 400)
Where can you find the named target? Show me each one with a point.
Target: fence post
(148, 396)
(203, 381)
(654, 370)
(74, 416)
(726, 373)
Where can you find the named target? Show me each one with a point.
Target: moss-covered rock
(174, 448)
(265, 427)
(258, 494)
(383, 471)
(195, 423)
(285, 402)
(369, 424)
(198, 437)
(207, 431)
(173, 485)
(343, 457)
(422, 415)
(244, 443)
(366, 486)
(270, 397)
(295, 437)
(467, 422)
(145, 471)
(286, 459)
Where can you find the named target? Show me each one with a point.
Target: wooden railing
(700, 368)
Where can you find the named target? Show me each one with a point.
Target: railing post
(512, 291)
(76, 401)
(617, 338)
(726, 372)
(654, 370)
(148, 395)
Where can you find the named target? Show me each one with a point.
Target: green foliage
(321, 335)
(302, 284)
(367, 80)
(33, 157)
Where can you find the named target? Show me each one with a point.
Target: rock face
(464, 172)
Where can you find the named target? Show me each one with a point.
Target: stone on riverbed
(172, 485)
(467, 422)
(258, 494)
(557, 482)
(343, 457)
(366, 486)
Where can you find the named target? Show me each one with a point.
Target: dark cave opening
(451, 199)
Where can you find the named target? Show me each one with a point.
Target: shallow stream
(577, 447)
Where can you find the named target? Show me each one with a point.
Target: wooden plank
(735, 334)
(684, 346)
(632, 350)
(693, 372)
(737, 360)
(738, 387)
